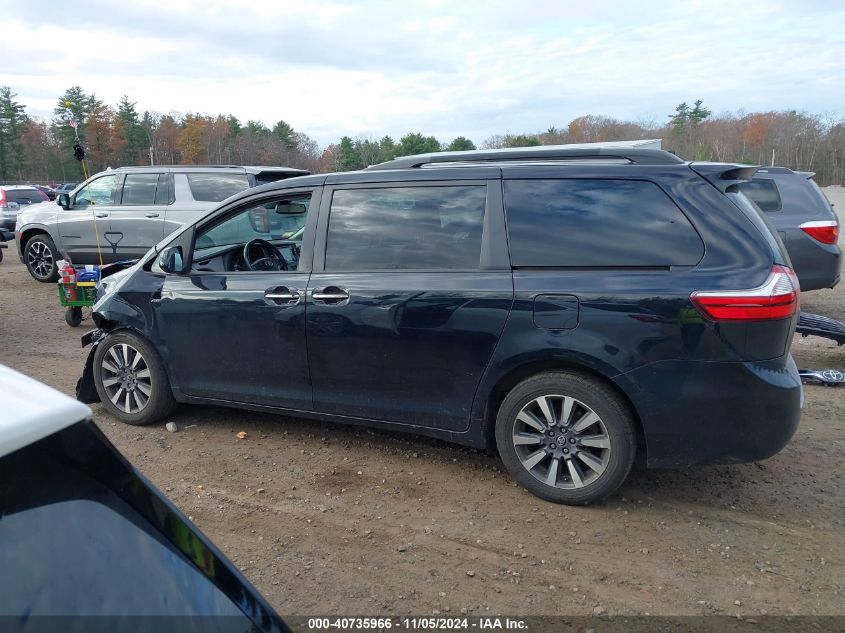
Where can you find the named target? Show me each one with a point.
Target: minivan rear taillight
(777, 298)
(825, 231)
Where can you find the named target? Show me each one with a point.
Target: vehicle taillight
(825, 231)
(2, 197)
(777, 298)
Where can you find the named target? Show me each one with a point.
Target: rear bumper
(7, 223)
(716, 412)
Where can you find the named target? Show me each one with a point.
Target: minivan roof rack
(639, 152)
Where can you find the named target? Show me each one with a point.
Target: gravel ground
(331, 519)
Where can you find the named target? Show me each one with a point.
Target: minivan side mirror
(63, 200)
(170, 260)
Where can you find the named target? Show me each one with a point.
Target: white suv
(120, 214)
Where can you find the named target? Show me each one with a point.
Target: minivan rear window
(763, 192)
(597, 223)
(216, 187)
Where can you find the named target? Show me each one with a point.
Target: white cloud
(470, 68)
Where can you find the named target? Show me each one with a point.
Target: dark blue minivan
(568, 307)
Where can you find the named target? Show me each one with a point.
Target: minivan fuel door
(556, 312)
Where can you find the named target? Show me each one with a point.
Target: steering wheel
(272, 258)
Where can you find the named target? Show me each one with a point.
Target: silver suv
(120, 214)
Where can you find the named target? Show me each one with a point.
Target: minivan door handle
(151, 215)
(332, 295)
(102, 214)
(282, 295)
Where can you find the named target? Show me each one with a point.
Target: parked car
(85, 534)
(5, 236)
(66, 187)
(13, 198)
(798, 210)
(567, 307)
(119, 214)
(49, 191)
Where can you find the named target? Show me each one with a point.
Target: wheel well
(30, 233)
(517, 375)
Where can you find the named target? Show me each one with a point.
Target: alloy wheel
(126, 378)
(561, 441)
(40, 259)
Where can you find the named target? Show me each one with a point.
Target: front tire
(566, 438)
(130, 379)
(40, 256)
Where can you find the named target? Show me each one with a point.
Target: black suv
(567, 307)
(804, 219)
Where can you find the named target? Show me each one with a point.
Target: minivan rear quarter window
(216, 187)
(406, 228)
(597, 223)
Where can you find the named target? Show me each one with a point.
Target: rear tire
(40, 256)
(567, 438)
(130, 379)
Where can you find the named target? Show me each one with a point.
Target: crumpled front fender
(85, 390)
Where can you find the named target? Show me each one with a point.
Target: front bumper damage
(86, 391)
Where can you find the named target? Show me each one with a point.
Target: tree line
(37, 150)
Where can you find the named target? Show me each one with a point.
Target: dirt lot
(327, 519)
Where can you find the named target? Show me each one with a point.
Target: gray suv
(798, 210)
(120, 214)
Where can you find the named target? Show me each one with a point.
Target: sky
(442, 67)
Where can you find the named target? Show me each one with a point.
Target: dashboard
(230, 258)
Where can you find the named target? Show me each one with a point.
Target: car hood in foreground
(32, 411)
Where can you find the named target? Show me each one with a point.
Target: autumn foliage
(38, 150)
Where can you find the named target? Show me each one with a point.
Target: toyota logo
(833, 375)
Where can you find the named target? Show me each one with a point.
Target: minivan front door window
(262, 237)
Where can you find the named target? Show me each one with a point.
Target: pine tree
(416, 143)
(347, 158)
(77, 102)
(286, 135)
(387, 149)
(133, 135)
(235, 126)
(13, 121)
(461, 144)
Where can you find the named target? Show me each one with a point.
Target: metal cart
(75, 296)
